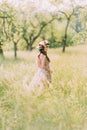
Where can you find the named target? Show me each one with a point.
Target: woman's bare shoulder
(42, 56)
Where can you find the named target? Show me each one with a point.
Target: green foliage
(28, 24)
(69, 40)
(80, 38)
(54, 43)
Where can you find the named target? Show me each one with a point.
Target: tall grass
(61, 107)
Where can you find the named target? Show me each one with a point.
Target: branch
(26, 39)
(64, 14)
(71, 14)
(4, 28)
(68, 17)
(44, 25)
(32, 25)
(3, 17)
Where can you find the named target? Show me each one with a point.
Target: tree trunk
(64, 44)
(1, 50)
(29, 47)
(15, 49)
(65, 36)
(66, 28)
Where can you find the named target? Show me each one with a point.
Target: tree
(3, 34)
(9, 27)
(68, 9)
(32, 30)
(15, 36)
(12, 29)
(68, 18)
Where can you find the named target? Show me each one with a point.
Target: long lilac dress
(42, 77)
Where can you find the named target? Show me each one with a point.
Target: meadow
(61, 107)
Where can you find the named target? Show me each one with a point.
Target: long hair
(44, 53)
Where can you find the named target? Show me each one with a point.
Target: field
(61, 107)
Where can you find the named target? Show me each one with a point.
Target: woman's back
(42, 61)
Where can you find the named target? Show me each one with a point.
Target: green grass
(62, 107)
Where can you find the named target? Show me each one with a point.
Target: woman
(43, 76)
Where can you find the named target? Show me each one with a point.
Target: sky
(44, 4)
(14, 2)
